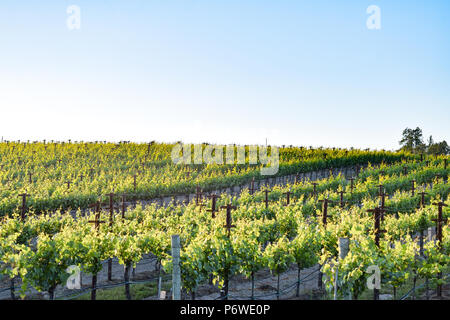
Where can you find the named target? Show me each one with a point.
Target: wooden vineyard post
(439, 224)
(324, 222)
(252, 186)
(96, 223)
(341, 198)
(68, 184)
(382, 196)
(405, 170)
(228, 225)
(351, 185)
(266, 198)
(134, 182)
(357, 170)
(23, 209)
(380, 190)
(288, 196)
(377, 219)
(176, 272)
(315, 189)
(297, 178)
(422, 199)
(111, 220)
(127, 266)
(12, 288)
(445, 164)
(422, 205)
(325, 211)
(383, 207)
(213, 209)
(377, 227)
(126, 277)
(413, 187)
(30, 177)
(123, 207)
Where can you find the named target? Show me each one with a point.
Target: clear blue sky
(225, 71)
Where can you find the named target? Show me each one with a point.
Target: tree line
(412, 141)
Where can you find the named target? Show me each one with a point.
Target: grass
(138, 291)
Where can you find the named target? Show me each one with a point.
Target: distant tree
(412, 140)
(430, 141)
(440, 148)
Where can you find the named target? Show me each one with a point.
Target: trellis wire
(293, 285)
(406, 295)
(109, 286)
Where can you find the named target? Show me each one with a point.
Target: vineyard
(74, 175)
(89, 204)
